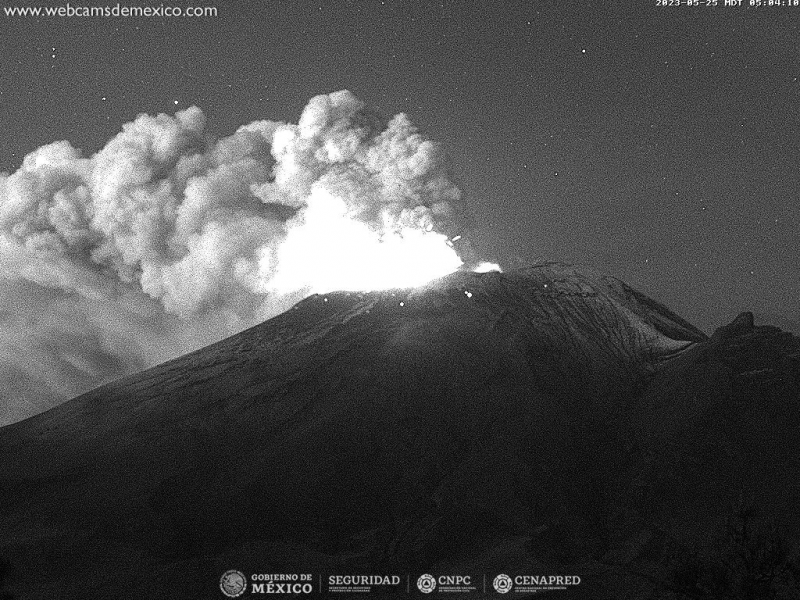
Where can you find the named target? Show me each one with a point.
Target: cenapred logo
(502, 583)
(233, 583)
(426, 583)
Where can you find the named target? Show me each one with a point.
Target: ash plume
(166, 240)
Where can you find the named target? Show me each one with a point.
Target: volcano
(548, 420)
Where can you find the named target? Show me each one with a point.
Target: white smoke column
(220, 234)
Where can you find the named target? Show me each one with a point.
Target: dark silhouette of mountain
(548, 420)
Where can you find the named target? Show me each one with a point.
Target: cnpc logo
(427, 583)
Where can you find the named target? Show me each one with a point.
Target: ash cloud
(166, 239)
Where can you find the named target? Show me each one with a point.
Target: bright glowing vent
(333, 251)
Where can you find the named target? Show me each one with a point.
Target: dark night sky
(657, 144)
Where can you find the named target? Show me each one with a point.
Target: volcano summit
(548, 420)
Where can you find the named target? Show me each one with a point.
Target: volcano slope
(549, 420)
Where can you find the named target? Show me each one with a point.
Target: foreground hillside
(547, 420)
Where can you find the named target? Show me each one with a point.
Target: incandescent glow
(487, 267)
(331, 250)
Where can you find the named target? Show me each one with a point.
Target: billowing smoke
(166, 240)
